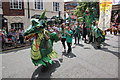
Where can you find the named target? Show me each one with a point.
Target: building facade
(1, 12)
(19, 13)
(69, 8)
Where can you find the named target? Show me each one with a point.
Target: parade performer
(89, 17)
(69, 35)
(63, 36)
(41, 48)
(77, 33)
(99, 35)
(88, 22)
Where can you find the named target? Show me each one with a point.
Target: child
(69, 34)
(63, 36)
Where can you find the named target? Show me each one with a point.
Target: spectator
(4, 32)
(50, 29)
(111, 28)
(115, 29)
(119, 28)
(55, 28)
(17, 36)
(21, 38)
(12, 35)
(2, 39)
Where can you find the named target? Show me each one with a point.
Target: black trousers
(69, 47)
(84, 36)
(63, 42)
(91, 38)
(115, 32)
(21, 38)
(77, 38)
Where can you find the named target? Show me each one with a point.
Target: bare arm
(46, 36)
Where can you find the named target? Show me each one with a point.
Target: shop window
(16, 26)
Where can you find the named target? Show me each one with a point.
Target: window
(16, 26)
(39, 4)
(15, 4)
(55, 6)
(0, 4)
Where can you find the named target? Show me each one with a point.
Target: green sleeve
(53, 37)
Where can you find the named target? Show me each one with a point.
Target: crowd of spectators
(12, 37)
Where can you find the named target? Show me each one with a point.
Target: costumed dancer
(92, 19)
(99, 36)
(63, 36)
(41, 48)
(87, 19)
(77, 33)
(69, 34)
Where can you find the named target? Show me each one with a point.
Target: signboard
(105, 14)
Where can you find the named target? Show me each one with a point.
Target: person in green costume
(99, 37)
(77, 33)
(92, 39)
(87, 19)
(41, 48)
(69, 35)
(92, 19)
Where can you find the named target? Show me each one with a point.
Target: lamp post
(28, 9)
(59, 17)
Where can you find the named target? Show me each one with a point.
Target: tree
(80, 9)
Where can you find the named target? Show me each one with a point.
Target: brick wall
(12, 12)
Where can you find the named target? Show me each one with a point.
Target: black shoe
(74, 43)
(44, 69)
(98, 47)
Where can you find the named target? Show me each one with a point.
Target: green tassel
(50, 61)
(41, 62)
(46, 59)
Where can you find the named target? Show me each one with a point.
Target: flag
(105, 7)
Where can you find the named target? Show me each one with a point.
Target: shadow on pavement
(107, 50)
(87, 48)
(113, 52)
(80, 45)
(105, 44)
(94, 45)
(39, 75)
(69, 55)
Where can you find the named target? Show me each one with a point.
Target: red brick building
(14, 13)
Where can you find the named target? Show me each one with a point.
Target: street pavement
(85, 61)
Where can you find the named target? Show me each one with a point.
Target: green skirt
(45, 59)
